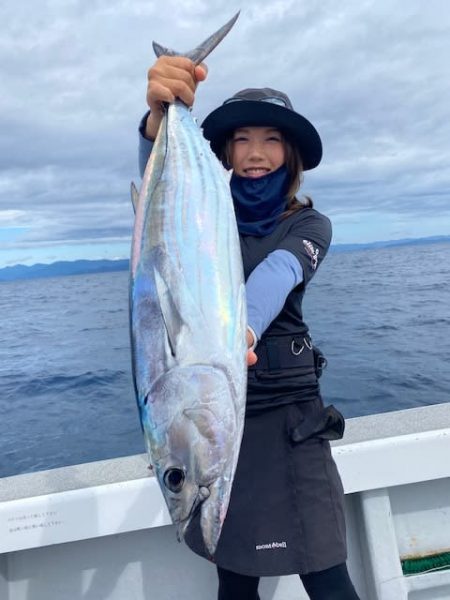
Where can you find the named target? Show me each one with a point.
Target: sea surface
(382, 317)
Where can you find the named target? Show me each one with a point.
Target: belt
(284, 352)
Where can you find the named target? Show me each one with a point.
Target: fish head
(194, 451)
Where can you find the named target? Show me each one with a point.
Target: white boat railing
(396, 476)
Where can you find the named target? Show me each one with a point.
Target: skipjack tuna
(188, 319)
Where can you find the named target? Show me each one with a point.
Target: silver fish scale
(198, 227)
(189, 218)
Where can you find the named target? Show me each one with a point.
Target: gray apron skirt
(286, 512)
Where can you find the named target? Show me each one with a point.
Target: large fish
(188, 319)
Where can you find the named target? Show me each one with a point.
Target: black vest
(285, 371)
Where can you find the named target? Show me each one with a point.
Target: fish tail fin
(200, 52)
(163, 51)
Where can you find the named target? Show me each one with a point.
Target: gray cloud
(372, 76)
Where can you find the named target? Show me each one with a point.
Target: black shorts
(286, 513)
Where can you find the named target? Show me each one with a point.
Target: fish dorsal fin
(200, 52)
(134, 196)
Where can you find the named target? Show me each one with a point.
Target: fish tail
(200, 52)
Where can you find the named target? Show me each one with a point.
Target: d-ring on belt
(284, 352)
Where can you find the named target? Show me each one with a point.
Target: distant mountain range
(62, 268)
(436, 239)
(83, 267)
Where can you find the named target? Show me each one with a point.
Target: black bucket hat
(263, 107)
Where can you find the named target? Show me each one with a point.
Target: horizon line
(396, 241)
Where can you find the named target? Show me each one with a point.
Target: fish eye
(174, 479)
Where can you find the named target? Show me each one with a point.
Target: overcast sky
(372, 75)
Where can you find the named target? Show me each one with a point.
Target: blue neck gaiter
(259, 202)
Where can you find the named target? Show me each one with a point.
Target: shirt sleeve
(309, 240)
(145, 145)
(272, 280)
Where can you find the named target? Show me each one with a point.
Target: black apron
(286, 512)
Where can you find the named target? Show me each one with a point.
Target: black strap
(276, 353)
(273, 354)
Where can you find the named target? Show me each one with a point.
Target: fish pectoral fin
(181, 316)
(134, 196)
(172, 319)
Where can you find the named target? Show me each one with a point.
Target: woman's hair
(294, 166)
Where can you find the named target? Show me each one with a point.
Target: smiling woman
(287, 516)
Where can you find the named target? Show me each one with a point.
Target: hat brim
(248, 113)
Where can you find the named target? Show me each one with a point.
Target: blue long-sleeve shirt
(268, 286)
(270, 282)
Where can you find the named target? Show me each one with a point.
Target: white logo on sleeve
(312, 252)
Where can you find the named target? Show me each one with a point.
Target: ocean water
(382, 317)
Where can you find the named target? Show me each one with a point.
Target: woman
(286, 510)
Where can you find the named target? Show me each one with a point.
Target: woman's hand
(170, 77)
(251, 356)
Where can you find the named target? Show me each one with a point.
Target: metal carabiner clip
(295, 345)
